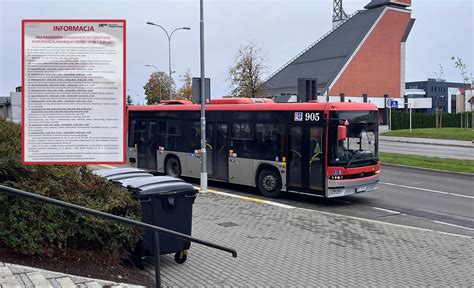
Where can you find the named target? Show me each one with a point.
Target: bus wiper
(353, 158)
(357, 158)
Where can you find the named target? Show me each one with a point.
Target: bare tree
(246, 76)
(459, 64)
(439, 74)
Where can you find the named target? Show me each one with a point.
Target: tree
(246, 74)
(440, 73)
(186, 91)
(157, 87)
(129, 100)
(459, 64)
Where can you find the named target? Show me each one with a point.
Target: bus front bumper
(338, 188)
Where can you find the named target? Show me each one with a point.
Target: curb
(426, 143)
(428, 169)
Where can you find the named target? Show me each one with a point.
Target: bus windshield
(360, 146)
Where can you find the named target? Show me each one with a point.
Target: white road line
(457, 226)
(386, 223)
(386, 210)
(427, 190)
(341, 215)
(415, 183)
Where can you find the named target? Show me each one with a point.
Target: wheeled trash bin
(167, 204)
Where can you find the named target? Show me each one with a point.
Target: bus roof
(337, 106)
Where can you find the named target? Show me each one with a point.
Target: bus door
(305, 159)
(218, 151)
(146, 144)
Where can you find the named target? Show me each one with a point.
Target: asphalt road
(407, 196)
(465, 153)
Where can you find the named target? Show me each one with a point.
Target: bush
(401, 120)
(38, 228)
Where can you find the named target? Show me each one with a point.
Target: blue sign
(393, 104)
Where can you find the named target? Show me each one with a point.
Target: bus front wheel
(172, 167)
(268, 183)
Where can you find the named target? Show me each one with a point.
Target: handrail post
(157, 259)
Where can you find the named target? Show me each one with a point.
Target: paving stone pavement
(17, 276)
(298, 247)
(293, 247)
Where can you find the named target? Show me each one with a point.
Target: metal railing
(155, 229)
(311, 46)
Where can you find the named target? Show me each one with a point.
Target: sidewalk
(440, 142)
(281, 245)
(16, 276)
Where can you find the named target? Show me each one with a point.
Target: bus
(321, 149)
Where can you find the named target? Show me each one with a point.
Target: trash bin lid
(115, 171)
(115, 178)
(164, 188)
(124, 182)
(141, 182)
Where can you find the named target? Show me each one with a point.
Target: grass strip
(452, 165)
(435, 133)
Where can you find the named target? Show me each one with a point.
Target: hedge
(401, 120)
(40, 229)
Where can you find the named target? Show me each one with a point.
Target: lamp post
(157, 70)
(203, 103)
(169, 35)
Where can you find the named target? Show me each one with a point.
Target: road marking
(457, 226)
(258, 200)
(385, 223)
(386, 210)
(341, 215)
(415, 183)
(107, 166)
(335, 214)
(428, 190)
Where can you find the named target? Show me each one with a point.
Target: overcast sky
(282, 28)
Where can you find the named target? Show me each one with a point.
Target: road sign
(393, 104)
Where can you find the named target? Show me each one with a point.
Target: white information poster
(73, 91)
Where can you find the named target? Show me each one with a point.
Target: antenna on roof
(338, 13)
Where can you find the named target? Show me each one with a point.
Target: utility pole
(203, 107)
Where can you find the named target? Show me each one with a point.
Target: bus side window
(140, 133)
(132, 139)
(268, 141)
(174, 135)
(191, 136)
(241, 141)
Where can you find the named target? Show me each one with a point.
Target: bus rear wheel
(268, 182)
(172, 167)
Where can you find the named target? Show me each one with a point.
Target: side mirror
(341, 133)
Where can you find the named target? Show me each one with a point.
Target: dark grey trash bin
(168, 203)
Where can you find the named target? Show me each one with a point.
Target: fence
(401, 120)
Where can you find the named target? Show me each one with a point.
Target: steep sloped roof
(327, 56)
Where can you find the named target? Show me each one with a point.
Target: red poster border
(23, 22)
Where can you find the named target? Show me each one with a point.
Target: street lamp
(157, 70)
(169, 35)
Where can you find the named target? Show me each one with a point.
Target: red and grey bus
(323, 149)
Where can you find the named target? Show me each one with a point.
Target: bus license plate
(361, 189)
